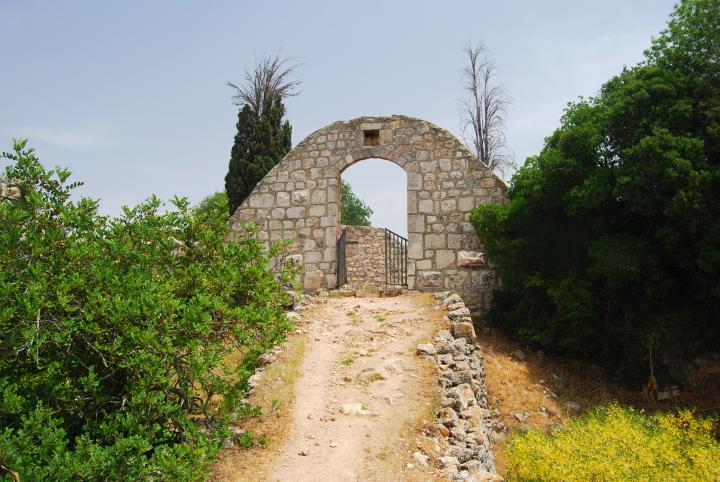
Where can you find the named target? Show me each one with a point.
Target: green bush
(115, 332)
(215, 206)
(618, 444)
(611, 240)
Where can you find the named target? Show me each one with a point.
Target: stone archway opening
(374, 257)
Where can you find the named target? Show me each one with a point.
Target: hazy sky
(132, 95)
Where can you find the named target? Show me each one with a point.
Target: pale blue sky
(132, 95)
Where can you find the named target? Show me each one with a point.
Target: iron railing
(395, 259)
(341, 265)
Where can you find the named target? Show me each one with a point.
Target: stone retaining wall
(462, 421)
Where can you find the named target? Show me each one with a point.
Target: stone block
(456, 280)
(319, 196)
(448, 205)
(415, 246)
(317, 210)
(435, 241)
(465, 330)
(283, 199)
(429, 279)
(313, 256)
(455, 241)
(414, 181)
(471, 259)
(416, 223)
(296, 212)
(429, 166)
(423, 264)
(261, 201)
(300, 197)
(444, 258)
(425, 206)
(465, 204)
(313, 280)
(330, 236)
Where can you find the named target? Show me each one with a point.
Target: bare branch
(268, 82)
(483, 111)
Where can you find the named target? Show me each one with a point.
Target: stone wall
(365, 257)
(462, 425)
(299, 200)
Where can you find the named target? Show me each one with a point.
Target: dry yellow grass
(544, 381)
(237, 464)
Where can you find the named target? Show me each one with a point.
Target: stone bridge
(299, 200)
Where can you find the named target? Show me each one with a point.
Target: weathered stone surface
(470, 258)
(459, 313)
(465, 330)
(426, 349)
(463, 425)
(313, 280)
(445, 182)
(429, 279)
(365, 257)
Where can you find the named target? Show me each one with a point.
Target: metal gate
(341, 265)
(395, 259)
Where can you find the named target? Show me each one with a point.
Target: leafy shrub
(115, 331)
(215, 206)
(618, 444)
(611, 237)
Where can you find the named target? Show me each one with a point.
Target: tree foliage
(260, 143)
(262, 138)
(610, 243)
(354, 211)
(269, 81)
(115, 332)
(214, 206)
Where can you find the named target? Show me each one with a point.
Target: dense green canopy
(610, 244)
(354, 211)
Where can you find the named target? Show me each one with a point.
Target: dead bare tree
(483, 113)
(270, 80)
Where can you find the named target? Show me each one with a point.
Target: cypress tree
(262, 140)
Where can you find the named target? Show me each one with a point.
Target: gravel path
(361, 393)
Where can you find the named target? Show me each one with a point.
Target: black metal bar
(341, 261)
(395, 259)
(386, 258)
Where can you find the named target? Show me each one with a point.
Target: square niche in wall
(372, 137)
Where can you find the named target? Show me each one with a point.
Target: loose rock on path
(362, 394)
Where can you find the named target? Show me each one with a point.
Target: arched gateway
(299, 200)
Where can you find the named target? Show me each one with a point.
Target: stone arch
(299, 200)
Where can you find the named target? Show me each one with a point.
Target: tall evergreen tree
(260, 143)
(262, 138)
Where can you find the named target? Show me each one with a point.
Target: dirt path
(360, 396)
